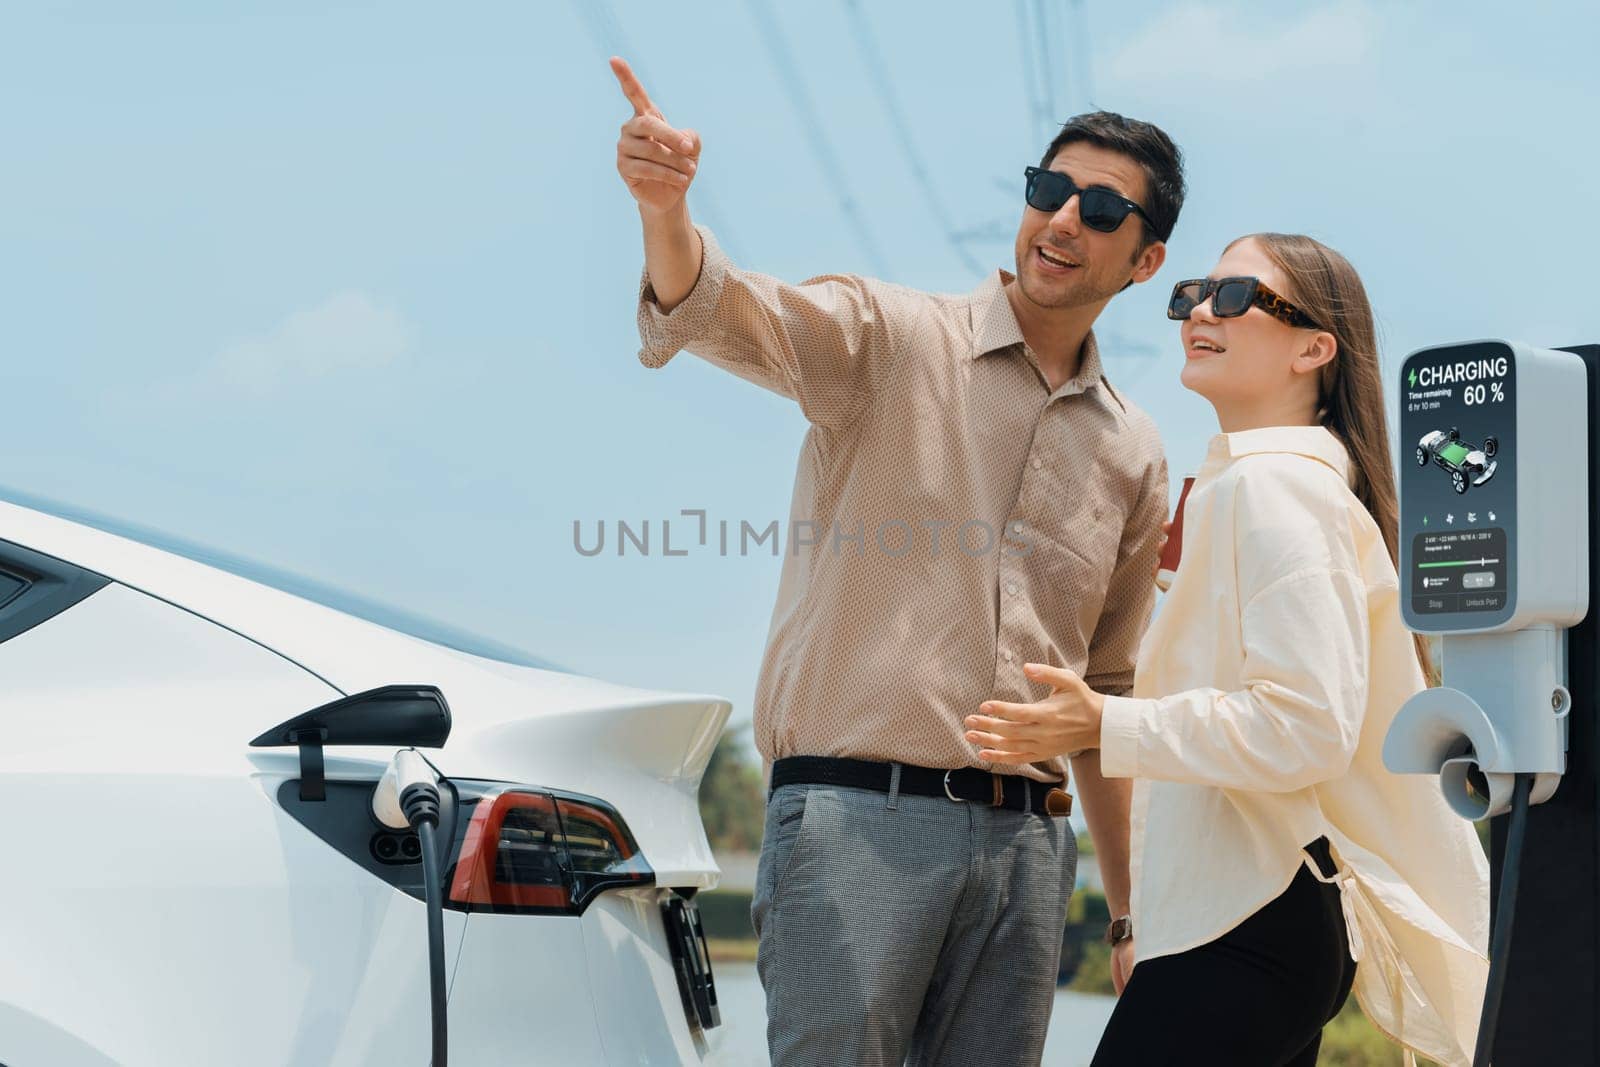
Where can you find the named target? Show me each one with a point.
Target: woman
(1276, 863)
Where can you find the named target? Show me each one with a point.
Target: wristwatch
(1119, 930)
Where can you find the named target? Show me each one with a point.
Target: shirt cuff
(662, 334)
(1119, 736)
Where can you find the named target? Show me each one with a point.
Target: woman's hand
(1121, 965)
(1166, 534)
(1068, 720)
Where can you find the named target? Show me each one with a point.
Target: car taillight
(521, 850)
(510, 856)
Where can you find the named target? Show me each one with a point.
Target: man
(972, 496)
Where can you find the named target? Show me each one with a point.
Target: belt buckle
(952, 796)
(997, 781)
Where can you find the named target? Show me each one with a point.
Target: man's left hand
(1068, 720)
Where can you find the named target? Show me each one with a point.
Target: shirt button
(1016, 527)
(1011, 588)
(1037, 462)
(1007, 655)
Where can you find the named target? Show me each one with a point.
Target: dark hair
(1145, 144)
(1350, 386)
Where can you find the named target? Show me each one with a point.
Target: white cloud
(1194, 45)
(347, 331)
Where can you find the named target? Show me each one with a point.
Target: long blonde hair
(1350, 404)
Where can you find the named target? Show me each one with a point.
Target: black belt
(964, 785)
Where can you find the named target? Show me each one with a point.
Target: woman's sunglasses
(1100, 209)
(1232, 297)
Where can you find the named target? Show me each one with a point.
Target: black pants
(1257, 996)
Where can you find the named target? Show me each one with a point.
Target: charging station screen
(1458, 486)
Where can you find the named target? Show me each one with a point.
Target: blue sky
(348, 287)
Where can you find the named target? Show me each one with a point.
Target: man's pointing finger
(631, 88)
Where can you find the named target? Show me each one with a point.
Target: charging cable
(1506, 907)
(407, 797)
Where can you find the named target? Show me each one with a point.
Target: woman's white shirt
(1265, 686)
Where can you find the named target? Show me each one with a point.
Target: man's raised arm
(827, 343)
(658, 162)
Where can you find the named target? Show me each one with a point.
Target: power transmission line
(1035, 85)
(1039, 25)
(1085, 55)
(816, 134)
(1045, 11)
(872, 57)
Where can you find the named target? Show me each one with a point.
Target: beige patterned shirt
(952, 519)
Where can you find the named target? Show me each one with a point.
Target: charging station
(1497, 531)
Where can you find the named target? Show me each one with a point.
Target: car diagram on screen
(1468, 464)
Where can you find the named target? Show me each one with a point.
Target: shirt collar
(994, 324)
(995, 328)
(1316, 442)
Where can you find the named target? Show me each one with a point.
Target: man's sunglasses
(1232, 297)
(1100, 209)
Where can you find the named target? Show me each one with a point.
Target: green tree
(731, 800)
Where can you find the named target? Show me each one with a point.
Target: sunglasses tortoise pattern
(1279, 308)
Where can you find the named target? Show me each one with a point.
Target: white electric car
(191, 871)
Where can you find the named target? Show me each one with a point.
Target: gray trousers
(908, 929)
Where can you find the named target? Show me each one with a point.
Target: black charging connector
(1505, 909)
(407, 796)
(420, 802)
